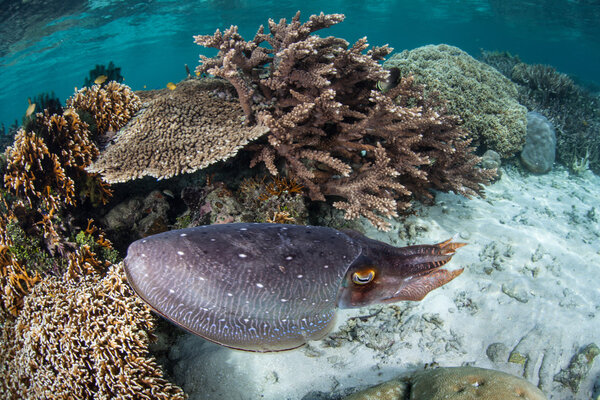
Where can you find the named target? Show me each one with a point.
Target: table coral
(84, 339)
(179, 131)
(330, 127)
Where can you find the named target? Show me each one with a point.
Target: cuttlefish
(272, 287)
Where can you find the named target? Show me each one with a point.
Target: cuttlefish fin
(417, 288)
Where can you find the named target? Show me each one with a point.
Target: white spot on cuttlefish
(243, 229)
(242, 255)
(299, 276)
(260, 285)
(180, 253)
(171, 291)
(230, 294)
(325, 266)
(183, 235)
(284, 300)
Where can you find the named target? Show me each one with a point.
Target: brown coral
(335, 133)
(180, 131)
(111, 106)
(84, 339)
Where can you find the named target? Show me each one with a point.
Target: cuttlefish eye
(363, 277)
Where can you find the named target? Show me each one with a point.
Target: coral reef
(48, 194)
(484, 99)
(110, 106)
(274, 200)
(573, 111)
(331, 129)
(179, 131)
(503, 61)
(82, 338)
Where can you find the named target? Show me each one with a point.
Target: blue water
(53, 47)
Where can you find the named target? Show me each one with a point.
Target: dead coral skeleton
(335, 133)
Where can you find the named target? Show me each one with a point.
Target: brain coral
(178, 131)
(81, 339)
(480, 95)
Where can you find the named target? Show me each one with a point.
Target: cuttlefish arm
(434, 257)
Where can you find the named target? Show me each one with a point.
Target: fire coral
(331, 129)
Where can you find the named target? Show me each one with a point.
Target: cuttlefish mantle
(273, 287)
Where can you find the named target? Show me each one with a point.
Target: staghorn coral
(179, 131)
(84, 339)
(111, 106)
(484, 99)
(331, 129)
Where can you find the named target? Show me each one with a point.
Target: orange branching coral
(111, 106)
(82, 339)
(280, 186)
(35, 175)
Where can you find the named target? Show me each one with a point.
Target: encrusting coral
(179, 131)
(331, 129)
(82, 339)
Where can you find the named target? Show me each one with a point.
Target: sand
(530, 287)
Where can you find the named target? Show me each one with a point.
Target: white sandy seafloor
(531, 283)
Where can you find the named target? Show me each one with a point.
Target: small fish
(30, 108)
(171, 86)
(272, 287)
(391, 81)
(144, 86)
(100, 79)
(198, 73)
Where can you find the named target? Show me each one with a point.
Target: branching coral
(111, 106)
(83, 339)
(15, 280)
(330, 127)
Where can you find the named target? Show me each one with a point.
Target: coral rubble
(331, 129)
(82, 338)
(178, 131)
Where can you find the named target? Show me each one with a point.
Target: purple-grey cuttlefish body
(272, 287)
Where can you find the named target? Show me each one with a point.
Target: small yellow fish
(30, 109)
(171, 86)
(100, 79)
(197, 73)
(144, 86)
